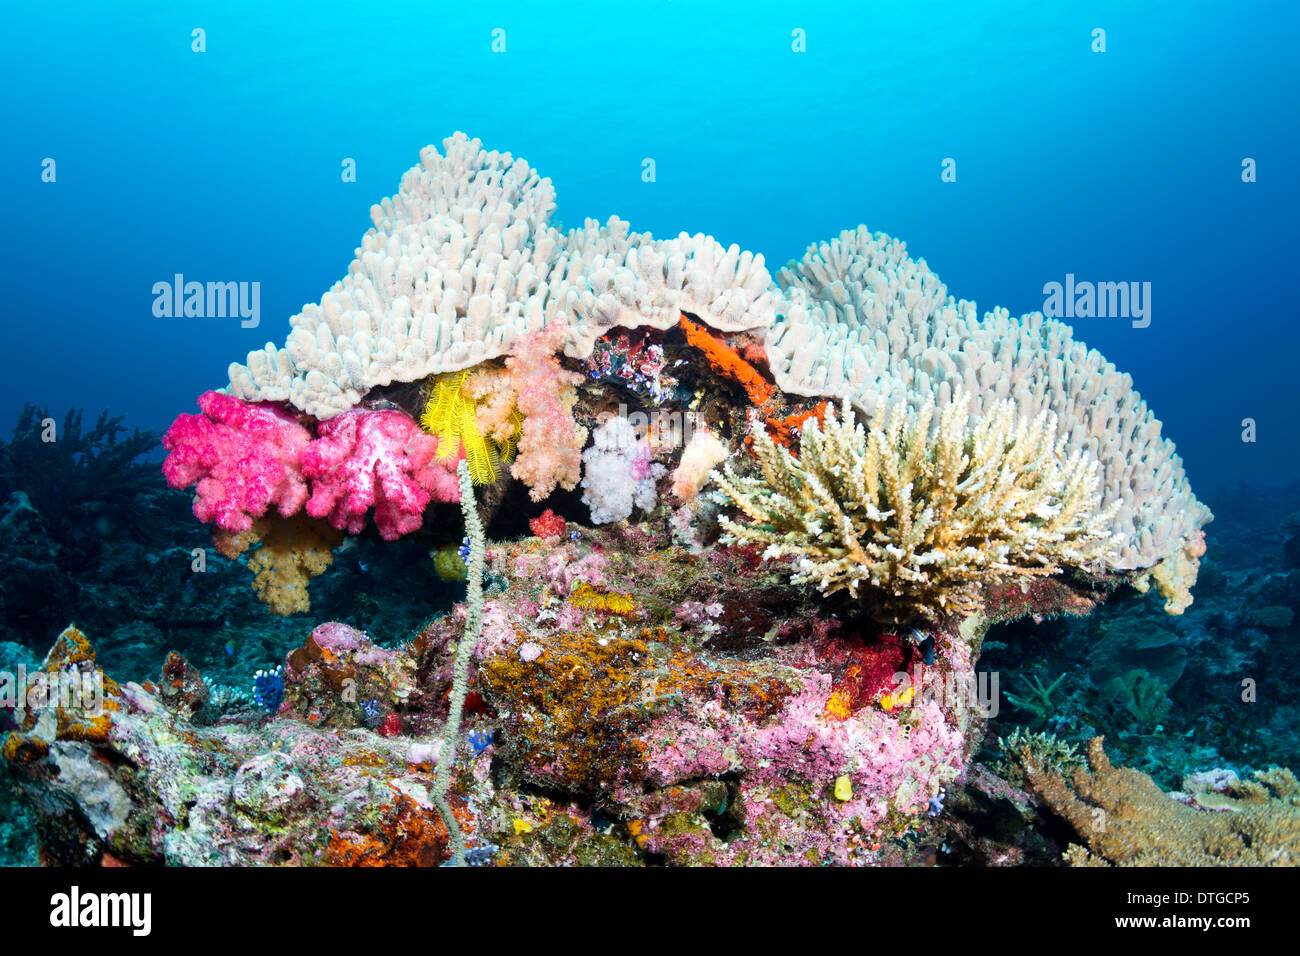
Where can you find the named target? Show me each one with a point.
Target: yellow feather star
(451, 415)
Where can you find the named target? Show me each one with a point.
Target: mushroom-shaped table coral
(245, 457)
(464, 267)
(376, 459)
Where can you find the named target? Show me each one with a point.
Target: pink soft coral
(244, 457)
(550, 444)
(378, 459)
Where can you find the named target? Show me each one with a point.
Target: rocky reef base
(630, 703)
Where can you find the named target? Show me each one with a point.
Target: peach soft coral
(550, 441)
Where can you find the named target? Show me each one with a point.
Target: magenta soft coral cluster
(245, 458)
(376, 459)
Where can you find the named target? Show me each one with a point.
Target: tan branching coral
(866, 321)
(925, 517)
(1044, 750)
(1126, 820)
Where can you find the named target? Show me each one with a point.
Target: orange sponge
(727, 361)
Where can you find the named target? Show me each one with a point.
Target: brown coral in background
(1126, 820)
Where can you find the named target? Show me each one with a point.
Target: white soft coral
(618, 473)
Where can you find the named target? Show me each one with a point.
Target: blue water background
(226, 166)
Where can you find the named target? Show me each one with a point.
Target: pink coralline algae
(563, 570)
(244, 457)
(888, 761)
(338, 637)
(556, 566)
(376, 459)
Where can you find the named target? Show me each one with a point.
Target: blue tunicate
(268, 689)
(480, 740)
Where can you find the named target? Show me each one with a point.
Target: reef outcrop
(744, 537)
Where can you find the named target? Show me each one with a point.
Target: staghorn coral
(292, 552)
(925, 517)
(1037, 699)
(866, 322)
(1045, 750)
(1126, 820)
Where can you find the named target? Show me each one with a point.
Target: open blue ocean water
(225, 166)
